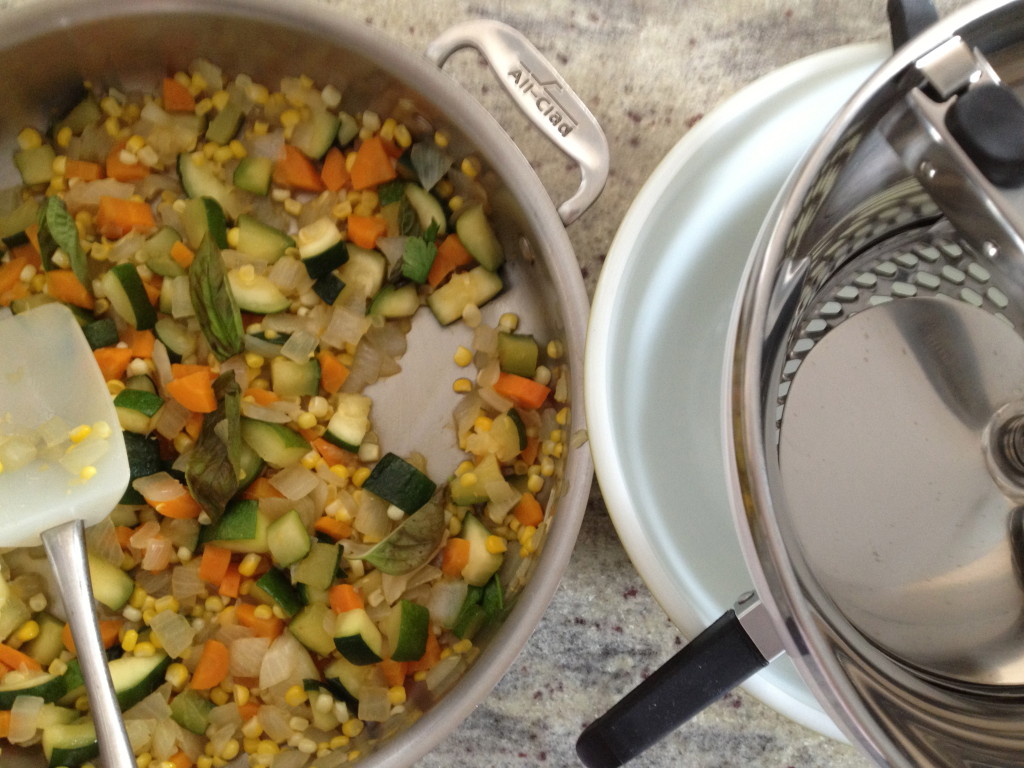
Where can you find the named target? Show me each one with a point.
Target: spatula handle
(65, 546)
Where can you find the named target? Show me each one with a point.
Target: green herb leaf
(214, 463)
(390, 192)
(214, 304)
(412, 543)
(429, 162)
(419, 255)
(408, 221)
(57, 230)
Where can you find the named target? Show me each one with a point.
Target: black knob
(988, 122)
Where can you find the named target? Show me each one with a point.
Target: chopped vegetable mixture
(277, 587)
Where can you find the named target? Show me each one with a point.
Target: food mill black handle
(713, 663)
(908, 18)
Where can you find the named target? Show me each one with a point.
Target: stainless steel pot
(47, 49)
(875, 383)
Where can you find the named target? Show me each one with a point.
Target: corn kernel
(470, 166)
(455, 202)
(223, 154)
(183, 442)
(339, 741)
(352, 728)
(306, 420)
(253, 360)
(462, 385)
(220, 100)
(79, 433)
(295, 696)
(441, 139)
(267, 747)
(495, 544)
(177, 675)
(483, 424)
(135, 143)
(403, 137)
(263, 612)
(467, 479)
(129, 641)
(290, 118)
(28, 631)
(145, 760)
(249, 564)
(463, 646)
(219, 696)
(396, 695)
(340, 470)
(360, 476)
(230, 749)
(145, 649)
(203, 106)
(204, 761)
(310, 460)
(292, 206)
(387, 129)
(29, 138)
(64, 136)
(82, 703)
(463, 356)
(237, 149)
(251, 728)
(562, 417)
(535, 484)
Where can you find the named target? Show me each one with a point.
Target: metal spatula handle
(65, 547)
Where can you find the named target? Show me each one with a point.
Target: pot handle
(741, 642)
(542, 95)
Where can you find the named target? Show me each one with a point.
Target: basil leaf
(408, 221)
(419, 255)
(213, 465)
(219, 317)
(390, 192)
(412, 543)
(57, 230)
(429, 162)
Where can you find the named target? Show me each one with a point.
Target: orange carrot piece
(344, 597)
(333, 527)
(372, 165)
(330, 452)
(261, 627)
(261, 488)
(249, 710)
(183, 507)
(110, 633)
(118, 169)
(333, 172)
(29, 252)
(332, 372)
(180, 760)
(124, 535)
(5, 723)
(180, 370)
(10, 273)
(454, 556)
(430, 656)
(176, 97)
(261, 396)
(113, 361)
(213, 565)
(394, 671)
(364, 230)
(15, 659)
(194, 391)
(532, 449)
(293, 169)
(32, 233)
(528, 510)
(19, 291)
(182, 254)
(212, 668)
(194, 425)
(524, 392)
(451, 254)
(116, 217)
(64, 285)
(231, 583)
(141, 343)
(83, 169)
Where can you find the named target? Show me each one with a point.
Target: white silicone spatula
(65, 467)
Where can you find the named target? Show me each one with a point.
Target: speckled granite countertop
(649, 70)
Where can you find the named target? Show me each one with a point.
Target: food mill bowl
(123, 50)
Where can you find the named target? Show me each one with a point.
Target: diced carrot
(344, 597)
(454, 556)
(451, 254)
(152, 290)
(532, 449)
(82, 169)
(333, 172)
(29, 252)
(180, 760)
(180, 370)
(194, 391)
(333, 527)
(116, 217)
(213, 665)
(293, 169)
(524, 392)
(10, 273)
(176, 97)
(182, 254)
(261, 396)
(19, 291)
(249, 710)
(64, 285)
(183, 507)
(372, 165)
(394, 671)
(364, 230)
(124, 535)
(332, 372)
(230, 584)
(194, 425)
(528, 510)
(110, 632)
(141, 343)
(15, 659)
(261, 488)
(430, 656)
(330, 452)
(214, 563)
(270, 626)
(5, 723)
(113, 361)
(118, 169)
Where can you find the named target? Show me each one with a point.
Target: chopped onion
(374, 705)
(372, 518)
(344, 327)
(485, 339)
(24, 718)
(102, 541)
(143, 534)
(442, 672)
(274, 721)
(140, 732)
(247, 656)
(288, 274)
(393, 248)
(159, 487)
(154, 583)
(260, 346)
(446, 599)
(300, 346)
(181, 298)
(158, 554)
(171, 418)
(152, 707)
(162, 364)
(265, 413)
(185, 581)
(494, 400)
(286, 659)
(165, 739)
(295, 481)
(87, 194)
(174, 632)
